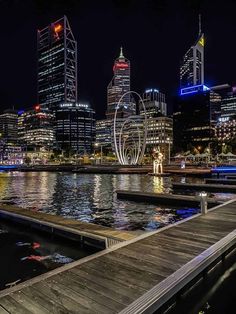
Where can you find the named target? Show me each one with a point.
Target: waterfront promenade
(134, 276)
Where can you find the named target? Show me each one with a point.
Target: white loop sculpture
(130, 137)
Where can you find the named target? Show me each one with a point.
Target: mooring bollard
(203, 202)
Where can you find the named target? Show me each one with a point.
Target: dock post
(203, 202)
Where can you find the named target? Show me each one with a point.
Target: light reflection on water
(90, 197)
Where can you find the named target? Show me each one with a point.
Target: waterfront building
(35, 129)
(159, 126)
(75, 128)
(226, 124)
(192, 67)
(196, 113)
(228, 105)
(160, 133)
(103, 133)
(57, 65)
(8, 125)
(226, 129)
(10, 153)
(119, 85)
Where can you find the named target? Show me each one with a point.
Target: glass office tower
(57, 64)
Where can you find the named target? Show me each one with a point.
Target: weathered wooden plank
(41, 298)
(137, 264)
(99, 286)
(124, 288)
(177, 250)
(221, 181)
(160, 262)
(190, 236)
(205, 187)
(95, 299)
(161, 198)
(3, 311)
(29, 303)
(119, 272)
(59, 296)
(165, 254)
(12, 306)
(77, 298)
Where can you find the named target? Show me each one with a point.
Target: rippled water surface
(92, 197)
(25, 254)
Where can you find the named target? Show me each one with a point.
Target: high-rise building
(119, 85)
(75, 127)
(57, 64)
(8, 125)
(154, 102)
(228, 105)
(10, 151)
(159, 126)
(35, 129)
(192, 67)
(195, 117)
(103, 133)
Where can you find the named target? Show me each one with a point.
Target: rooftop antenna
(121, 53)
(199, 24)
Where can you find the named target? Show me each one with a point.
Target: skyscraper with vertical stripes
(57, 65)
(119, 85)
(192, 67)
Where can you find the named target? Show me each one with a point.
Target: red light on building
(37, 107)
(120, 66)
(57, 28)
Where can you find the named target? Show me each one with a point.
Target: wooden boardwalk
(205, 187)
(115, 279)
(221, 181)
(162, 198)
(86, 230)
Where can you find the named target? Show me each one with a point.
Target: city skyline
(149, 69)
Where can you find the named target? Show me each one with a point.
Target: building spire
(199, 24)
(121, 53)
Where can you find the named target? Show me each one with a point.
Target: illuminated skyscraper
(155, 103)
(192, 68)
(75, 128)
(57, 64)
(119, 85)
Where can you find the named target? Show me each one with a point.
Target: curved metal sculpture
(130, 137)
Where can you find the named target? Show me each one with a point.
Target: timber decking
(221, 181)
(205, 187)
(110, 281)
(161, 198)
(88, 230)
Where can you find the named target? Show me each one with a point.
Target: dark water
(92, 197)
(25, 254)
(213, 294)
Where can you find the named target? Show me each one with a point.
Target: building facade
(8, 125)
(159, 126)
(192, 65)
(119, 85)
(57, 64)
(195, 117)
(36, 129)
(155, 103)
(103, 133)
(75, 128)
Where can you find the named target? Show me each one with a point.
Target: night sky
(154, 35)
